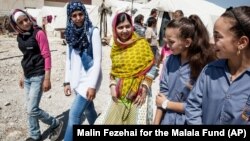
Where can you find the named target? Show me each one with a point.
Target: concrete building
(139, 1)
(7, 5)
(61, 3)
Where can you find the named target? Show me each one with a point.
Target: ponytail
(200, 51)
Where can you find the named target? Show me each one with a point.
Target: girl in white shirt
(83, 65)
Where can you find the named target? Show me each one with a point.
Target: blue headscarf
(76, 37)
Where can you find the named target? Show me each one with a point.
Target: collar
(222, 63)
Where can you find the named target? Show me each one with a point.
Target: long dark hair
(151, 21)
(122, 17)
(200, 51)
(138, 19)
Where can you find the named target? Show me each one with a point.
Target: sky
(228, 3)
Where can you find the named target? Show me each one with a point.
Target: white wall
(138, 1)
(8, 5)
(56, 4)
(96, 2)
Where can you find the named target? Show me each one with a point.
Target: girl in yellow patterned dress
(131, 76)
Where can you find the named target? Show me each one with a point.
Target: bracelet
(111, 77)
(145, 83)
(112, 82)
(112, 85)
(148, 81)
(65, 84)
(148, 78)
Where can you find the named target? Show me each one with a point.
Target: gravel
(13, 125)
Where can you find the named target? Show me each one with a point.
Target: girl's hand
(159, 99)
(91, 92)
(142, 95)
(67, 90)
(21, 83)
(46, 85)
(113, 93)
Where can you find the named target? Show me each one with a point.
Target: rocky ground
(13, 125)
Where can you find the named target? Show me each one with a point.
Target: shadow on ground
(62, 117)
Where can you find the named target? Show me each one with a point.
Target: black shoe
(55, 132)
(31, 139)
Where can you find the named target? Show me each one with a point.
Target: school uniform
(173, 84)
(217, 100)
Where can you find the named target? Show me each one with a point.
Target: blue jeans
(79, 106)
(33, 90)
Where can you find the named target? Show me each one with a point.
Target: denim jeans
(33, 90)
(78, 108)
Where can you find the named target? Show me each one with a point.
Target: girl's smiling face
(176, 44)
(225, 41)
(124, 31)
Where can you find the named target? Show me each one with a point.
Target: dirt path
(13, 125)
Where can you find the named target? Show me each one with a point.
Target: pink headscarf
(115, 36)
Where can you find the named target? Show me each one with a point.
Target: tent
(61, 19)
(116, 7)
(45, 11)
(207, 11)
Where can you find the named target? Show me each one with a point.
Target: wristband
(65, 84)
(112, 82)
(164, 105)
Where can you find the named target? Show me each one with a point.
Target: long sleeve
(193, 107)
(67, 66)
(97, 57)
(44, 48)
(152, 72)
(164, 88)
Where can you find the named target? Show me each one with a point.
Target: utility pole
(131, 11)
